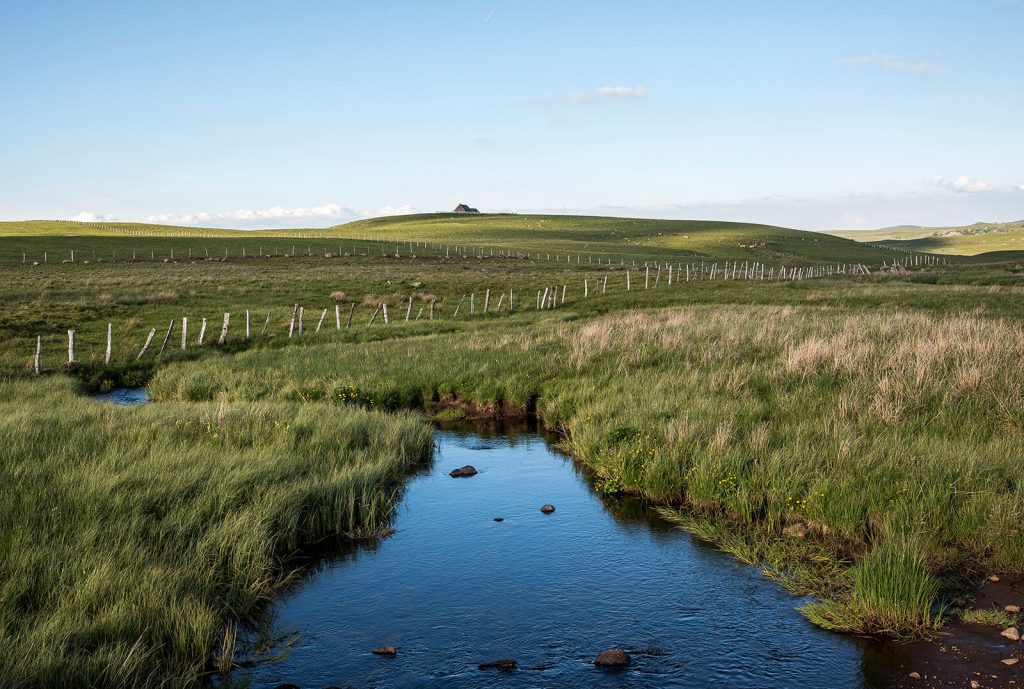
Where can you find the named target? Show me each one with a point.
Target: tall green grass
(132, 538)
(889, 434)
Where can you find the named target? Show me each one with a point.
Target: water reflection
(452, 588)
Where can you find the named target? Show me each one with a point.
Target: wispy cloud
(963, 184)
(606, 93)
(890, 63)
(1020, 187)
(491, 14)
(276, 216)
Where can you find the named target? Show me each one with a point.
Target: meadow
(1003, 241)
(854, 435)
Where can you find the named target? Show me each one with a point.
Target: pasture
(851, 431)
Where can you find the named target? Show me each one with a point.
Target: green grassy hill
(583, 236)
(590, 234)
(966, 240)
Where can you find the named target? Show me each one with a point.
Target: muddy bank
(962, 655)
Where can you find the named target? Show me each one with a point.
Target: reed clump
(132, 539)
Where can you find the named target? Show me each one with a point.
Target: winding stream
(453, 588)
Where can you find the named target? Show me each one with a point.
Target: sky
(803, 113)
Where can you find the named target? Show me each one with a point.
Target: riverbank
(885, 438)
(136, 538)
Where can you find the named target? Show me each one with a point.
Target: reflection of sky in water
(452, 588)
(124, 396)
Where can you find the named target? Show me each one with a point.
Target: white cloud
(890, 63)
(278, 216)
(1020, 186)
(404, 209)
(609, 93)
(275, 216)
(964, 184)
(89, 216)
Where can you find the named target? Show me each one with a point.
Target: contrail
(491, 14)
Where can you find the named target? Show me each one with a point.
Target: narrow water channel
(453, 588)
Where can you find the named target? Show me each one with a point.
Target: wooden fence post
(71, 346)
(386, 319)
(149, 338)
(337, 316)
(487, 299)
(266, 324)
(350, 312)
(202, 332)
(247, 324)
(408, 310)
(321, 321)
(224, 329)
(302, 317)
(184, 333)
(39, 352)
(627, 280)
(166, 338)
(374, 314)
(110, 344)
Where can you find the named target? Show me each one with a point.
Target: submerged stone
(463, 472)
(547, 509)
(613, 657)
(505, 665)
(385, 651)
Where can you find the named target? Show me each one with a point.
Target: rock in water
(613, 657)
(547, 509)
(463, 472)
(499, 519)
(503, 665)
(1011, 633)
(385, 651)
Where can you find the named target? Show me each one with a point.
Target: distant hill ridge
(968, 240)
(557, 234)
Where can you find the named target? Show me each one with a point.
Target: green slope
(555, 234)
(604, 235)
(966, 240)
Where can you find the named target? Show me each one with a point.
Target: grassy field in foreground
(875, 419)
(967, 240)
(137, 537)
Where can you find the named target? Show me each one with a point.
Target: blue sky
(263, 114)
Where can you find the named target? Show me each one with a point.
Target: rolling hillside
(556, 234)
(967, 240)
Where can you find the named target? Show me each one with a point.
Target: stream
(453, 588)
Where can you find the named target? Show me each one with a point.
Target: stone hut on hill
(463, 208)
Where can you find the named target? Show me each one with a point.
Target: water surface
(452, 588)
